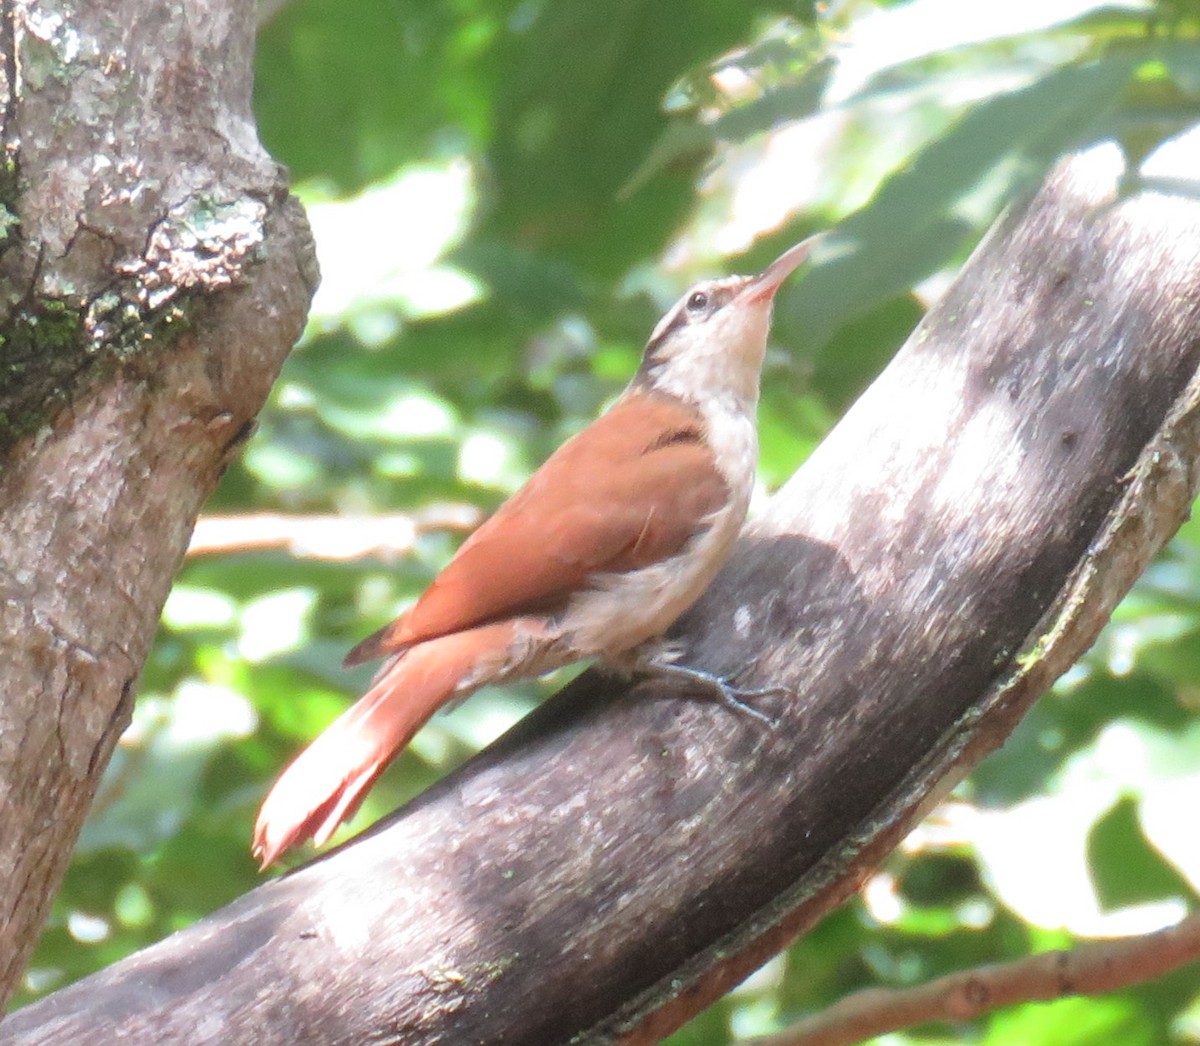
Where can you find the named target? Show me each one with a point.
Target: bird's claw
(736, 698)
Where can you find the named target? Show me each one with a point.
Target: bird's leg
(661, 661)
(733, 697)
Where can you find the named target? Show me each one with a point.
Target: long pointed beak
(767, 282)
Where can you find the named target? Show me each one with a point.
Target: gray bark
(625, 855)
(153, 274)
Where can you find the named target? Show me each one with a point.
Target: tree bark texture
(154, 274)
(626, 854)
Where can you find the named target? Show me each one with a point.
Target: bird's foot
(733, 697)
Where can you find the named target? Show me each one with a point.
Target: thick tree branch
(1089, 969)
(156, 277)
(626, 855)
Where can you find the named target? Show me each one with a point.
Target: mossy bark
(153, 274)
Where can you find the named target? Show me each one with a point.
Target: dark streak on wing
(689, 434)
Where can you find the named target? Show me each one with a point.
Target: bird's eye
(697, 301)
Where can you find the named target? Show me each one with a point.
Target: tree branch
(625, 854)
(326, 537)
(157, 277)
(1089, 969)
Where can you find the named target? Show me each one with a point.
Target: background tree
(153, 274)
(497, 196)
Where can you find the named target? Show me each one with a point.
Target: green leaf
(1125, 870)
(1072, 1022)
(911, 229)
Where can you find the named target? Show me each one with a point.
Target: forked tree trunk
(623, 857)
(153, 274)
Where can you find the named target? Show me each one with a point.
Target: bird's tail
(324, 784)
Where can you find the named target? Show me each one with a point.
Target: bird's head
(714, 338)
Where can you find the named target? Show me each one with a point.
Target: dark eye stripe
(678, 319)
(700, 304)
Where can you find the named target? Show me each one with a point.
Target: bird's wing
(627, 492)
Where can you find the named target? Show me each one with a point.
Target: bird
(594, 558)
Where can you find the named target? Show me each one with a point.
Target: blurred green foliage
(506, 195)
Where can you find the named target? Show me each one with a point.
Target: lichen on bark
(114, 213)
(153, 274)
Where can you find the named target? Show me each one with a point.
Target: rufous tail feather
(324, 784)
